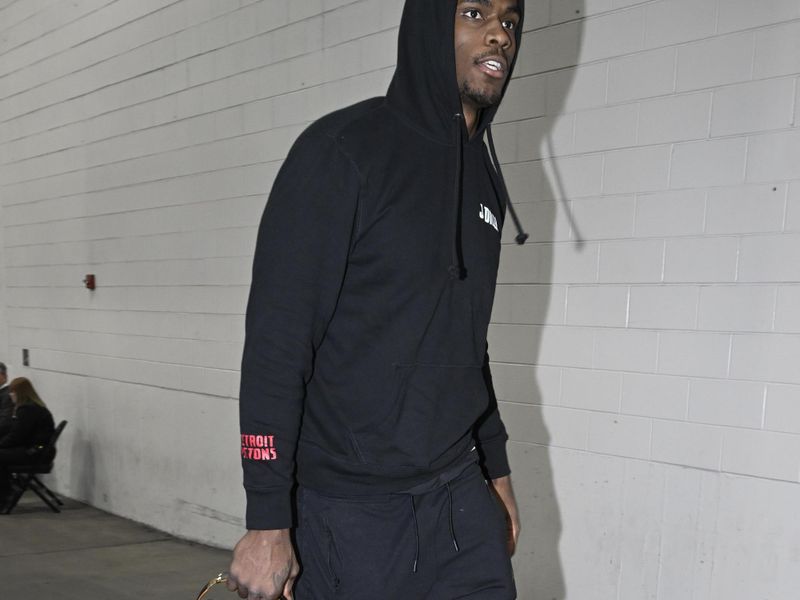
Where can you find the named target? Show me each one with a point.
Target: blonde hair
(22, 388)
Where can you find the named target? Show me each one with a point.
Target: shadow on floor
(87, 554)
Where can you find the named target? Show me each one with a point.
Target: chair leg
(37, 486)
(21, 484)
(48, 491)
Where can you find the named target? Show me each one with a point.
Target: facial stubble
(478, 98)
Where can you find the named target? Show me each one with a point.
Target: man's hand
(264, 566)
(502, 487)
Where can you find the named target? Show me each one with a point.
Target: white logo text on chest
(486, 216)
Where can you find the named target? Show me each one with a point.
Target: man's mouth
(493, 67)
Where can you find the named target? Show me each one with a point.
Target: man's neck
(470, 118)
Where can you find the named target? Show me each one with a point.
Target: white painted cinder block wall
(645, 341)
(3, 302)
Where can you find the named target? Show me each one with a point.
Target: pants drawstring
(452, 529)
(416, 525)
(416, 535)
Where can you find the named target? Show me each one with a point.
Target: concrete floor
(86, 554)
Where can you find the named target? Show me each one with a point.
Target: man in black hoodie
(365, 367)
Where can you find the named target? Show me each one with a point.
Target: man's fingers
(288, 588)
(234, 586)
(513, 536)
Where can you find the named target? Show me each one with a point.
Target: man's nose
(498, 35)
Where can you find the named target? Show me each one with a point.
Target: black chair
(25, 476)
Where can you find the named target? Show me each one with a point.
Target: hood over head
(424, 88)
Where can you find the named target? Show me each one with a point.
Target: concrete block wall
(3, 320)
(643, 341)
(138, 142)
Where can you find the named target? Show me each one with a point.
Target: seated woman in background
(32, 427)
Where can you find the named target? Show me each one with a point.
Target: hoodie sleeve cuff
(495, 458)
(269, 510)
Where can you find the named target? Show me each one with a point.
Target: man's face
(485, 47)
(3, 379)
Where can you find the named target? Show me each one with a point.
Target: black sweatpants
(442, 544)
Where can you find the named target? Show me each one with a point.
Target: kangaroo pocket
(432, 407)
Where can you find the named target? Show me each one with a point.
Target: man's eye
(472, 13)
(510, 25)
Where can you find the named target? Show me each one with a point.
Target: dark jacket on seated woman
(6, 410)
(31, 428)
(6, 404)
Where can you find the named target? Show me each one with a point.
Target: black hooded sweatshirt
(373, 280)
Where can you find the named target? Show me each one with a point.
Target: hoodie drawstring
(521, 235)
(456, 268)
